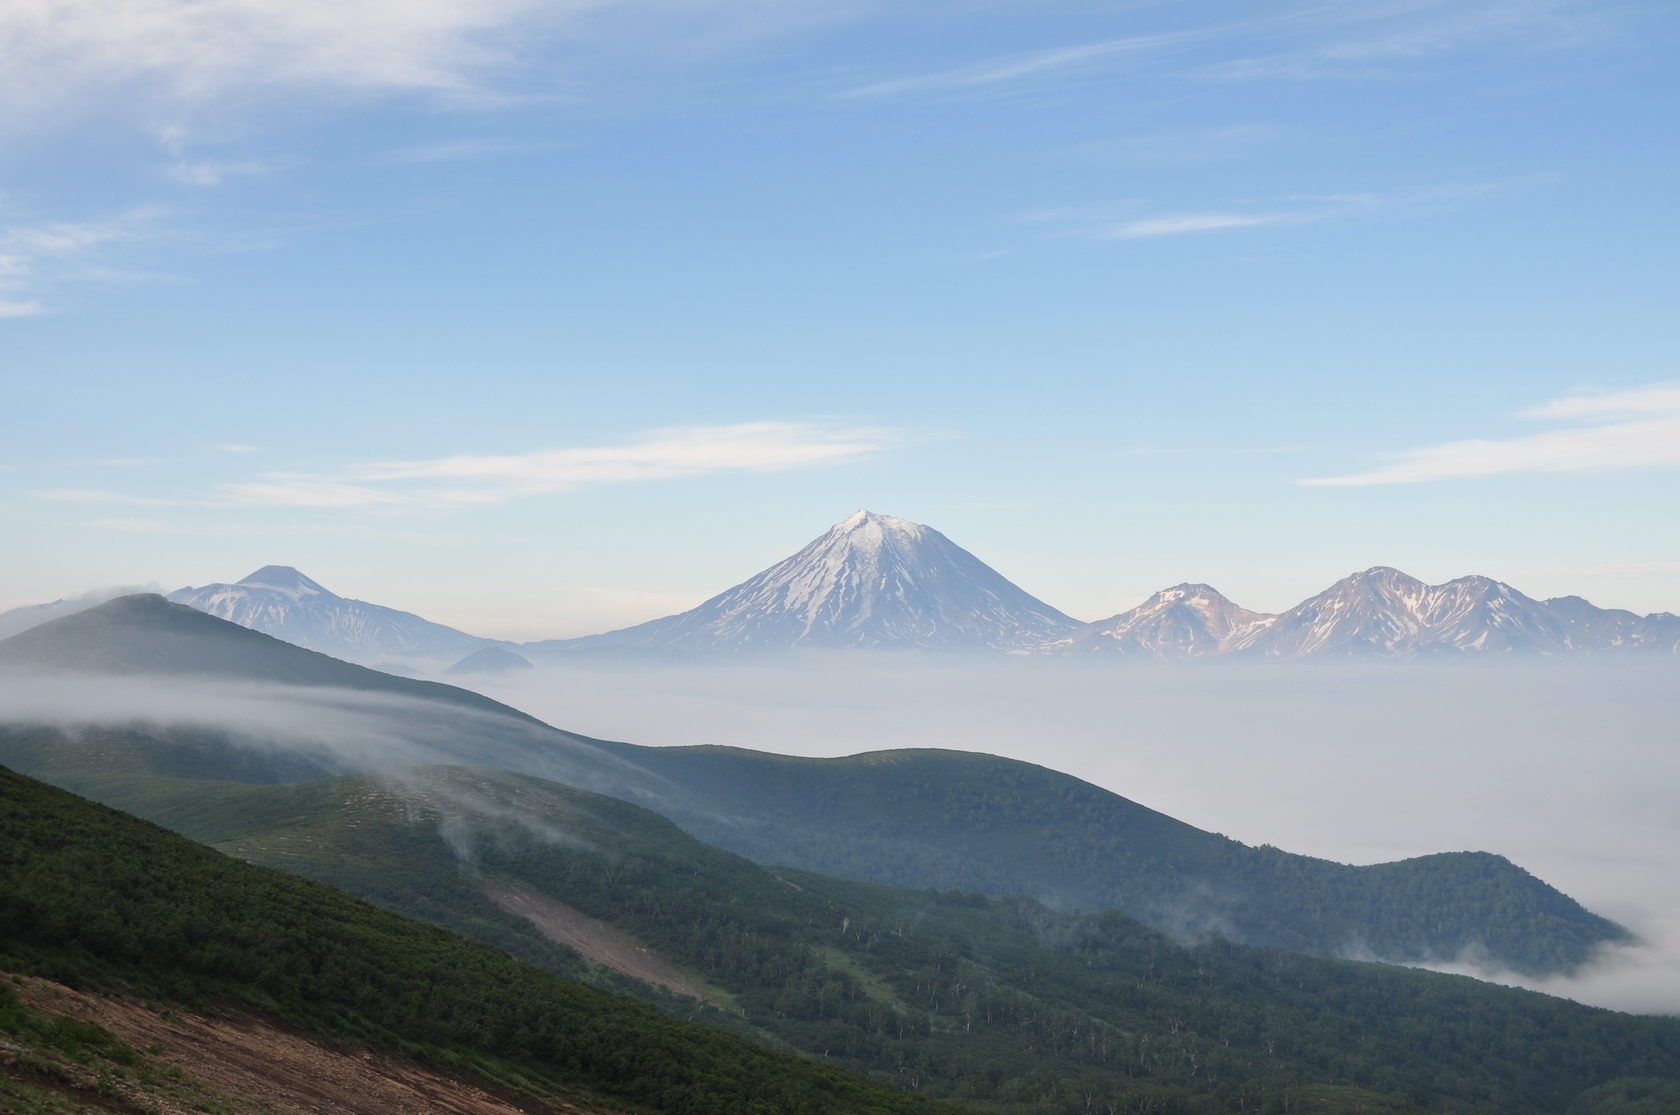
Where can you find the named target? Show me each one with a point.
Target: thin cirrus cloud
(1638, 428)
(1182, 223)
(466, 479)
(1292, 210)
(1017, 67)
(1319, 40)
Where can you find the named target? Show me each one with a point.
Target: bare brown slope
(242, 1063)
(596, 940)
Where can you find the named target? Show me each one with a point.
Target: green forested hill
(94, 897)
(911, 818)
(1002, 1004)
(951, 819)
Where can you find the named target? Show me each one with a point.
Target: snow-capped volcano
(1185, 621)
(280, 601)
(872, 581)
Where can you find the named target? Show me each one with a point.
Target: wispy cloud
(1291, 42)
(1190, 222)
(1016, 67)
(183, 51)
(1638, 428)
(1658, 399)
(38, 255)
(1108, 223)
(661, 455)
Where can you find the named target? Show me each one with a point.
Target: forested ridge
(999, 826)
(1001, 1004)
(97, 898)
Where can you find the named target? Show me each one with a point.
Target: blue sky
(544, 318)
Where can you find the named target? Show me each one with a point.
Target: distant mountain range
(876, 582)
(1379, 613)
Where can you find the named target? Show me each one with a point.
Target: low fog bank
(339, 730)
(1570, 769)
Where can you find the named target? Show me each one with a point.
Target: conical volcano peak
(286, 579)
(870, 581)
(867, 524)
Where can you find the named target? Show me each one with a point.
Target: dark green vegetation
(951, 819)
(1003, 1005)
(912, 818)
(97, 898)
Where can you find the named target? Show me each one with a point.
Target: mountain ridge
(1379, 612)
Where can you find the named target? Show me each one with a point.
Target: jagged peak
(286, 578)
(1383, 573)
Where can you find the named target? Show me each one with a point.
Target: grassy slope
(97, 897)
(1002, 1003)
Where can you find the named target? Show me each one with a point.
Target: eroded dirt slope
(594, 939)
(193, 1063)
